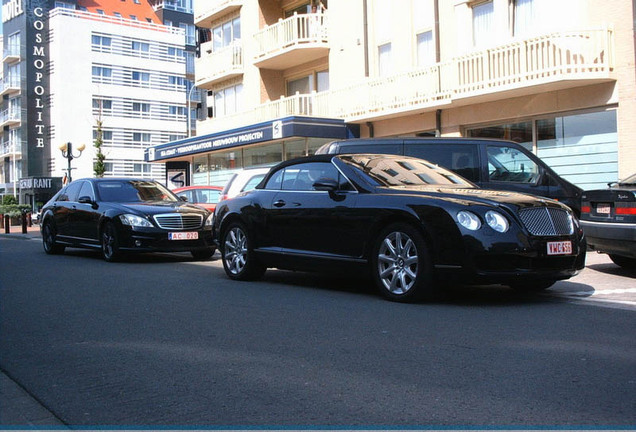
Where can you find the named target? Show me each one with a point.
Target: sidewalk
(19, 409)
(16, 232)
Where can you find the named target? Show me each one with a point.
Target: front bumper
(156, 240)
(525, 259)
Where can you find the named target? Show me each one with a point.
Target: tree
(99, 167)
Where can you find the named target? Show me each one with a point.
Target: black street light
(67, 152)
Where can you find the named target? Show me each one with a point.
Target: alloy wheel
(235, 251)
(398, 263)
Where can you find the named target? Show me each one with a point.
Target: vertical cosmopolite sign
(38, 91)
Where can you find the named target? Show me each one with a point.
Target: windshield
(130, 191)
(631, 180)
(404, 171)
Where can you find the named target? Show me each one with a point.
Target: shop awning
(288, 127)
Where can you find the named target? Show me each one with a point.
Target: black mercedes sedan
(118, 215)
(608, 217)
(413, 224)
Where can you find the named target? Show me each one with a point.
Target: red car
(204, 196)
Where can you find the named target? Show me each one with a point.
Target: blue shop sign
(278, 129)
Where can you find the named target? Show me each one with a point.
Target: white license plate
(560, 248)
(603, 209)
(183, 235)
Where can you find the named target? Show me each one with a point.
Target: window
(384, 59)
(176, 81)
(106, 135)
(425, 49)
(225, 34)
(141, 47)
(102, 74)
(141, 137)
(142, 109)
(483, 24)
(133, 17)
(101, 43)
(86, 191)
(64, 5)
(117, 14)
(463, 159)
(527, 16)
(228, 100)
(141, 78)
(318, 81)
(13, 44)
(100, 11)
(189, 33)
(177, 53)
(177, 110)
(507, 164)
(103, 104)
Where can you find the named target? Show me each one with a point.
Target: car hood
(475, 195)
(157, 207)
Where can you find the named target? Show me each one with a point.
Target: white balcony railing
(11, 53)
(10, 116)
(293, 32)
(9, 83)
(114, 20)
(214, 66)
(560, 59)
(8, 148)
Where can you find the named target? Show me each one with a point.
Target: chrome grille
(177, 221)
(544, 221)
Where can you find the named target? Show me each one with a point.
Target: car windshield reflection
(387, 171)
(134, 191)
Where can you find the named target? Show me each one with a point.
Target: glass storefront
(216, 168)
(582, 148)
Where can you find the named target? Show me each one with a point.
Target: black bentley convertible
(407, 220)
(119, 215)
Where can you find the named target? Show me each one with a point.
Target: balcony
(208, 11)
(8, 149)
(10, 86)
(293, 41)
(169, 4)
(215, 66)
(10, 117)
(524, 67)
(11, 54)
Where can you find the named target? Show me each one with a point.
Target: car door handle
(279, 203)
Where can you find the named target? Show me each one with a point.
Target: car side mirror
(183, 198)
(87, 200)
(326, 184)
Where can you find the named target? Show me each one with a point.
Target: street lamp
(67, 152)
(190, 110)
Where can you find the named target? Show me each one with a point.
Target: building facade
(557, 77)
(82, 69)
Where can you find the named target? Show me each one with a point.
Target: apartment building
(284, 76)
(72, 65)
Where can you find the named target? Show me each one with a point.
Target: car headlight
(135, 221)
(210, 220)
(468, 220)
(497, 221)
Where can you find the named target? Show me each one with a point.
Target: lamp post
(67, 152)
(190, 110)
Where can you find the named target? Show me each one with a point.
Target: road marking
(601, 292)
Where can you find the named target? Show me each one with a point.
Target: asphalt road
(164, 341)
